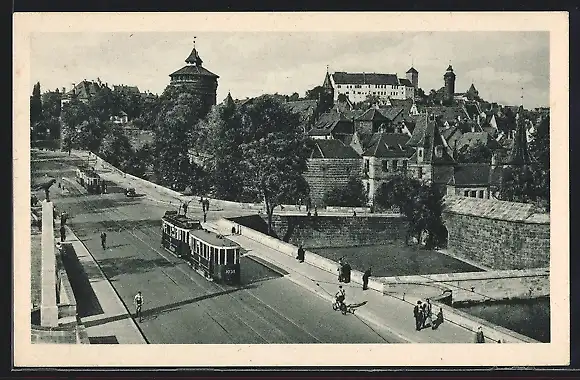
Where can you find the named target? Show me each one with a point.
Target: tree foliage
(273, 153)
(115, 147)
(352, 194)
(314, 93)
(37, 129)
(420, 203)
(179, 113)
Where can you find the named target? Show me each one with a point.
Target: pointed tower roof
(520, 154)
(229, 101)
(327, 82)
(449, 71)
(412, 70)
(194, 58)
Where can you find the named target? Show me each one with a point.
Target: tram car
(211, 255)
(90, 180)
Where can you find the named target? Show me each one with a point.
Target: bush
(353, 194)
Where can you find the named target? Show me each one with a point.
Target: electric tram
(211, 255)
(89, 180)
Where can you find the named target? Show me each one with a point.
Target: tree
(36, 127)
(314, 93)
(475, 154)
(51, 104)
(220, 139)
(421, 204)
(179, 113)
(294, 97)
(115, 147)
(518, 184)
(273, 152)
(342, 98)
(540, 149)
(352, 194)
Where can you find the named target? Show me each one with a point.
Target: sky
(249, 64)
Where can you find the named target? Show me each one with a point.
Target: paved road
(180, 305)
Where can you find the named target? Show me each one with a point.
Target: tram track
(203, 284)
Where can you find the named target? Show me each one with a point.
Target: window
(366, 165)
(480, 193)
(395, 164)
(368, 187)
(385, 165)
(338, 86)
(420, 152)
(420, 172)
(230, 256)
(473, 193)
(466, 193)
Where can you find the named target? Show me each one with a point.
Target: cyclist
(138, 304)
(340, 296)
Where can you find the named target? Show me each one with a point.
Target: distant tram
(213, 256)
(90, 180)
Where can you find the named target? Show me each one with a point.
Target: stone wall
(475, 287)
(330, 231)
(498, 244)
(324, 174)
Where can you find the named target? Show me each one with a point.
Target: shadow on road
(116, 266)
(254, 269)
(149, 314)
(115, 225)
(87, 302)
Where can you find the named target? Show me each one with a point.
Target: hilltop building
(357, 86)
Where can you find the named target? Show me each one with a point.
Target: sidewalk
(115, 322)
(383, 310)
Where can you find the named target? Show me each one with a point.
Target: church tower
(197, 79)
(519, 154)
(413, 77)
(326, 97)
(449, 78)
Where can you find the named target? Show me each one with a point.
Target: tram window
(237, 255)
(230, 256)
(222, 257)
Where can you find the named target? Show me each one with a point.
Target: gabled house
(371, 121)
(120, 118)
(331, 125)
(432, 160)
(385, 155)
(470, 180)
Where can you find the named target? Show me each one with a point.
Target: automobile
(130, 192)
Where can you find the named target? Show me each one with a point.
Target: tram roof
(212, 239)
(181, 221)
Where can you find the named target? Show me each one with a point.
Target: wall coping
(446, 277)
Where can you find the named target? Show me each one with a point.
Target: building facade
(358, 86)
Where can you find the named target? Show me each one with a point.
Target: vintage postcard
(291, 189)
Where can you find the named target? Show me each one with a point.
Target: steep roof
(471, 175)
(405, 82)
(123, 88)
(412, 70)
(341, 77)
(393, 113)
(194, 70)
(372, 114)
(474, 138)
(85, 89)
(194, 58)
(332, 149)
(446, 113)
(426, 135)
(388, 145)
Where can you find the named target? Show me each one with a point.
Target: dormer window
(439, 151)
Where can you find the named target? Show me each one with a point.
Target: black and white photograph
(291, 189)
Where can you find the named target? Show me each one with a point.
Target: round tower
(197, 78)
(449, 78)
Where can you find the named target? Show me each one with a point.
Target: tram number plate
(230, 271)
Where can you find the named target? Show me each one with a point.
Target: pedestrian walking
(299, 203)
(417, 315)
(423, 315)
(204, 216)
(201, 200)
(207, 204)
(62, 233)
(300, 254)
(365, 278)
(346, 272)
(185, 208)
(479, 337)
(428, 314)
(340, 269)
(104, 240)
(138, 306)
